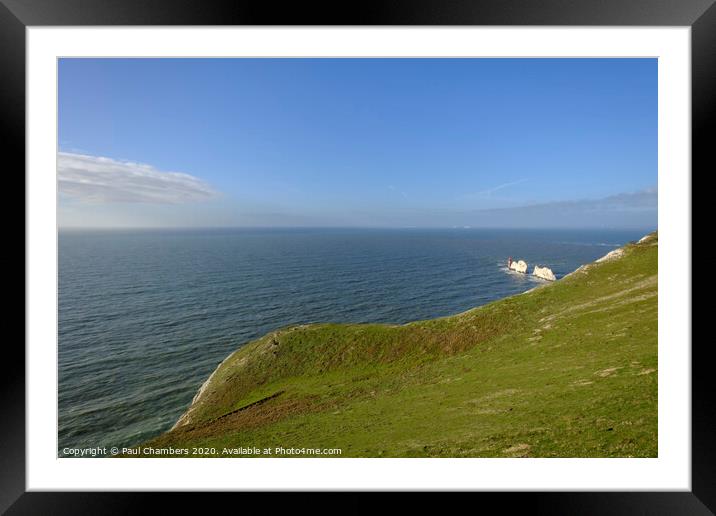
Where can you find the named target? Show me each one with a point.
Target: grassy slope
(566, 370)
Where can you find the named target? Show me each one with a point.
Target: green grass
(566, 370)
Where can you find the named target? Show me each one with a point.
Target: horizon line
(466, 227)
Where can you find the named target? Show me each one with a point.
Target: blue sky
(358, 142)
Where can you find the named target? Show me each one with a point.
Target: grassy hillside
(565, 370)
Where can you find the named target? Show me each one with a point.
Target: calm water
(145, 316)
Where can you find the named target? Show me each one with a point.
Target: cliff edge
(565, 370)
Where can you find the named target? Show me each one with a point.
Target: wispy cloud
(490, 191)
(625, 210)
(635, 209)
(105, 180)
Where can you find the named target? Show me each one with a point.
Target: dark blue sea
(146, 315)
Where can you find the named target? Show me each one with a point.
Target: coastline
(186, 420)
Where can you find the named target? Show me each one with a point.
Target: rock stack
(544, 273)
(521, 266)
(517, 265)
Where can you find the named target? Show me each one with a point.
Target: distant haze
(531, 143)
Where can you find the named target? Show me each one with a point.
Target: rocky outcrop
(518, 266)
(544, 273)
(651, 239)
(611, 255)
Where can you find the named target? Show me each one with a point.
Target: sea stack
(544, 273)
(517, 265)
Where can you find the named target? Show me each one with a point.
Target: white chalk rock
(544, 273)
(611, 255)
(519, 266)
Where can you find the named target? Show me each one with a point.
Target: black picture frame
(700, 15)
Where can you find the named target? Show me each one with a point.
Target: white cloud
(105, 180)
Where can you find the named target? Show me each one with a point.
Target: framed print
(426, 248)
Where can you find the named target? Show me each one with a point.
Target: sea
(145, 316)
